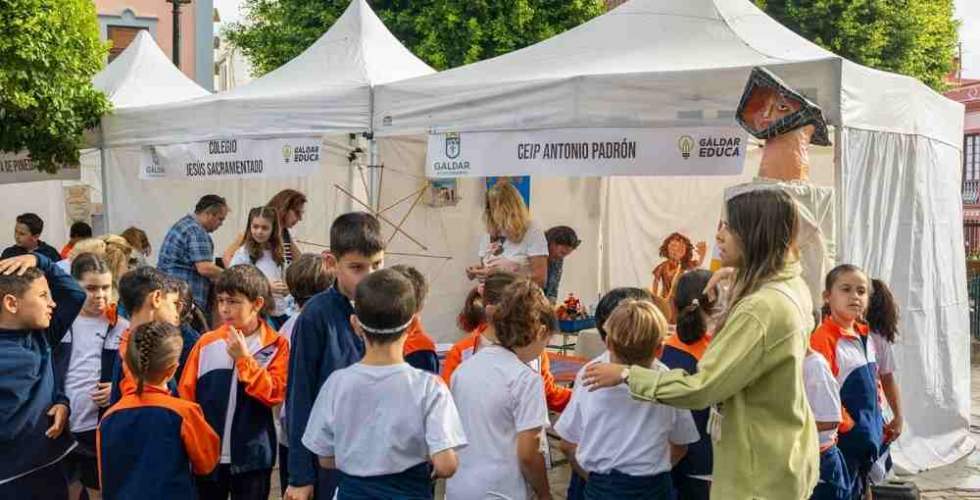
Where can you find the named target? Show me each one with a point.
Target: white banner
(588, 152)
(18, 167)
(232, 159)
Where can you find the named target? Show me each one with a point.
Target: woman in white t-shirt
(513, 241)
(263, 249)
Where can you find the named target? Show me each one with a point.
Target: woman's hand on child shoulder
(599, 375)
(17, 265)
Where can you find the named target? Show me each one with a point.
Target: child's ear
(329, 261)
(155, 299)
(356, 325)
(259, 303)
(10, 303)
(171, 371)
(826, 296)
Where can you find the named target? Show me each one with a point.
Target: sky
(967, 11)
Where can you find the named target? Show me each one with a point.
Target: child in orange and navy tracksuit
(150, 443)
(419, 350)
(556, 396)
(844, 342)
(237, 374)
(692, 475)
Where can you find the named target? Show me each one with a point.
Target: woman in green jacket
(764, 434)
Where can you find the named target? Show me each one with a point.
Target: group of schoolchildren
(349, 393)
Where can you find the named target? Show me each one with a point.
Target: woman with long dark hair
(764, 433)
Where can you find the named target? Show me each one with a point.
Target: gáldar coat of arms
(452, 145)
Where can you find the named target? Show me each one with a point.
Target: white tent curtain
(902, 222)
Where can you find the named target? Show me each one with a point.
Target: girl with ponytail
(150, 443)
(692, 309)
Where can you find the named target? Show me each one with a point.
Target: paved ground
(961, 479)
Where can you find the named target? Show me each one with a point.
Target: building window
(121, 37)
(971, 158)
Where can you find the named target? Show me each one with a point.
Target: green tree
(444, 33)
(49, 52)
(912, 37)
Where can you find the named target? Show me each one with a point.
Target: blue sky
(966, 10)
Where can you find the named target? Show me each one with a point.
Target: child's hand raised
(17, 265)
(237, 348)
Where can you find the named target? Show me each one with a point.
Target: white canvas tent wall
(326, 91)
(684, 63)
(141, 75)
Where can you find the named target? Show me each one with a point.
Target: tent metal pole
(104, 180)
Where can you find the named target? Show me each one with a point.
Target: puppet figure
(789, 123)
(681, 256)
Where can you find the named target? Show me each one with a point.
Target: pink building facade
(120, 20)
(968, 93)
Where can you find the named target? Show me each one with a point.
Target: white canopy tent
(325, 92)
(666, 64)
(141, 75)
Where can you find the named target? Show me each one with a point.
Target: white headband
(387, 331)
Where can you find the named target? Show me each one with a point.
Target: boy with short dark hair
(306, 277)
(38, 303)
(323, 341)
(148, 295)
(413, 417)
(420, 350)
(237, 374)
(77, 232)
(27, 239)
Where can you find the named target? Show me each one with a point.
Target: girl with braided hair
(150, 443)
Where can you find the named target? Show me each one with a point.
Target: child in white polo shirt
(502, 403)
(823, 392)
(626, 448)
(381, 422)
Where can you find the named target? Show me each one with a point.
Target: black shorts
(82, 464)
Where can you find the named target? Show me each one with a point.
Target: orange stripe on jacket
(200, 441)
(268, 385)
(417, 340)
(556, 395)
(696, 349)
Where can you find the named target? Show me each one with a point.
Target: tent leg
(374, 174)
(105, 190)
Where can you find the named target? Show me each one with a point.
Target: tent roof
(645, 63)
(326, 89)
(142, 75)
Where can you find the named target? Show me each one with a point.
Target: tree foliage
(912, 37)
(49, 52)
(444, 33)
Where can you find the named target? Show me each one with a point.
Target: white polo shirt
(88, 337)
(823, 392)
(498, 397)
(378, 420)
(615, 432)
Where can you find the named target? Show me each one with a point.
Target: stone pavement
(960, 479)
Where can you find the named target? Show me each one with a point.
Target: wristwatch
(624, 375)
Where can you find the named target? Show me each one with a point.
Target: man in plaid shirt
(187, 251)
